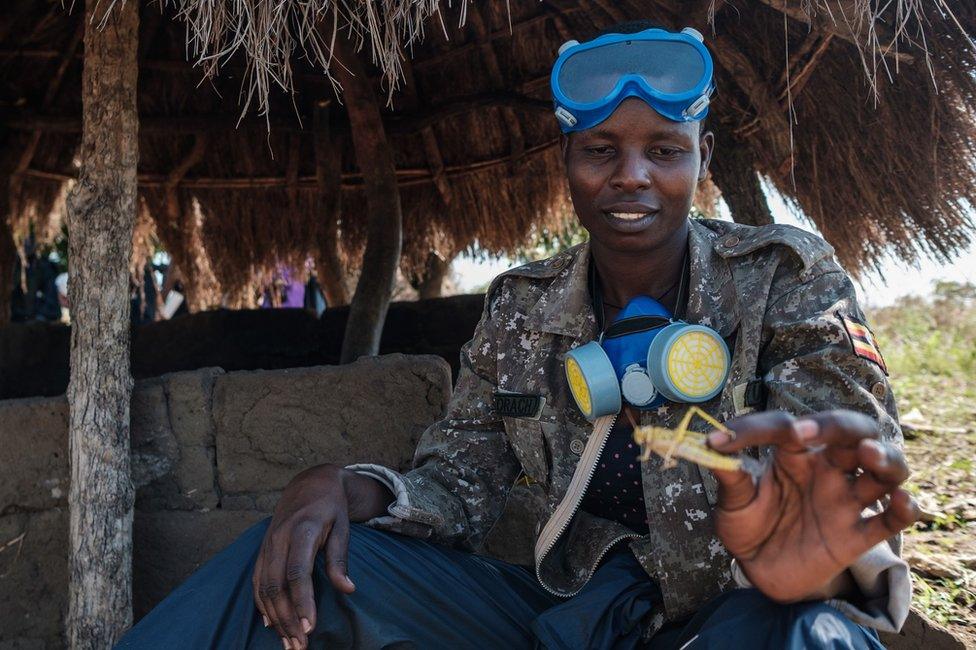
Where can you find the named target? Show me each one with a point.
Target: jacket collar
(712, 299)
(565, 306)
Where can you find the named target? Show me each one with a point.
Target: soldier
(628, 553)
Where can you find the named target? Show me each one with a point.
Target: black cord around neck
(596, 293)
(660, 298)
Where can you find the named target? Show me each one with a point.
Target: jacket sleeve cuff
(884, 584)
(403, 516)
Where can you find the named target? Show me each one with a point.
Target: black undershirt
(615, 491)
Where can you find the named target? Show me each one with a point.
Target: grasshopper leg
(679, 437)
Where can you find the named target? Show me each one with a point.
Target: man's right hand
(314, 512)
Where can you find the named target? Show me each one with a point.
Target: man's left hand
(804, 522)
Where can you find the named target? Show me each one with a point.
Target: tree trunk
(733, 172)
(431, 284)
(101, 217)
(328, 178)
(8, 254)
(384, 223)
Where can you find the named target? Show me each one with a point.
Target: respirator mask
(646, 357)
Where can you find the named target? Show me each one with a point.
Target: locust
(679, 442)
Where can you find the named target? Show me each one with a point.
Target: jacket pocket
(525, 436)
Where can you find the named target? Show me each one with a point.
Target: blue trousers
(414, 594)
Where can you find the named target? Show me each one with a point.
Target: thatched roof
(864, 123)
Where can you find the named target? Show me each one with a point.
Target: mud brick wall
(210, 453)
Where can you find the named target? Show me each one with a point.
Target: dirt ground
(939, 418)
(930, 347)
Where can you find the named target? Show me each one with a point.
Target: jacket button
(576, 446)
(879, 390)
(731, 241)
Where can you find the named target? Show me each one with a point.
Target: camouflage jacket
(774, 293)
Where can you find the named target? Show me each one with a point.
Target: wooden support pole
(734, 173)
(182, 234)
(384, 221)
(431, 283)
(8, 244)
(101, 216)
(328, 180)
(774, 136)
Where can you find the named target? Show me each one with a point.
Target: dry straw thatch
(860, 116)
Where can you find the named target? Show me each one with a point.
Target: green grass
(937, 336)
(945, 601)
(930, 348)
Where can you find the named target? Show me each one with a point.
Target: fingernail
(285, 643)
(351, 583)
(306, 626)
(295, 644)
(807, 429)
(267, 621)
(873, 444)
(718, 438)
(879, 449)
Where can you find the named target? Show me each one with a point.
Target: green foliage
(930, 347)
(942, 599)
(964, 464)
(935, 336)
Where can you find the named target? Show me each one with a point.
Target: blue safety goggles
(670, 71)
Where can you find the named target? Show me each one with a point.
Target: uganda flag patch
(863, 341)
